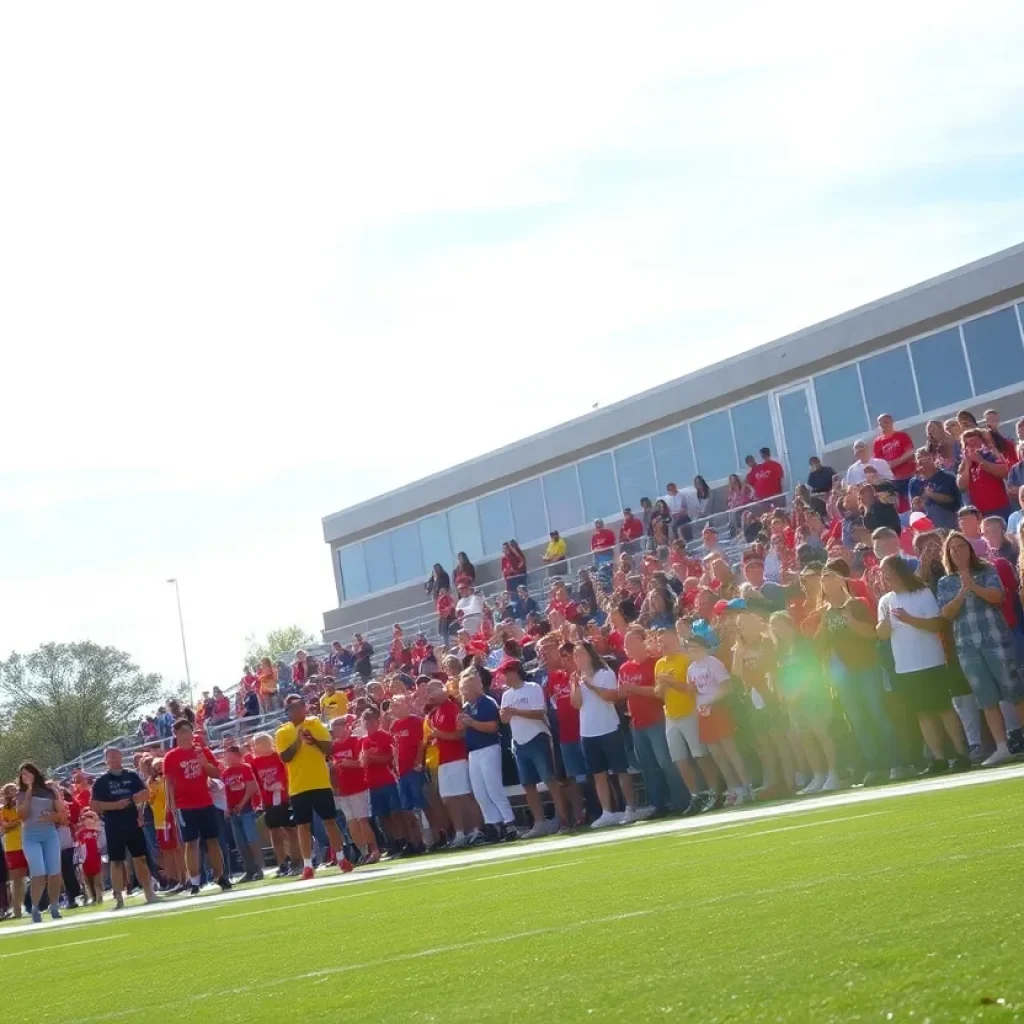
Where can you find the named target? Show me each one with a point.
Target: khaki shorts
(355, 806)
(683, 735)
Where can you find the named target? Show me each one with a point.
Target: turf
(905, 909)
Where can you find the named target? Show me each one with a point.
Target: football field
(897, 904)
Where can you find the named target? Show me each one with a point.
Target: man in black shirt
(876, 512)
(119, 796)
(819, 480)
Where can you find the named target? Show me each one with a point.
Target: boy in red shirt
(351, 795)
(557, 691)
(452, 762)
(766, 477)
(410, 746)
(272, 779)
(897, 448)
(647, 717)
(982, 476)
(188, 768)
(242, 793)
(377, 753)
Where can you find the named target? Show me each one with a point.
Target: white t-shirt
(855, 473)
(528, 697)
(913, 649)
(709, 675)
(676, 502)
(472, 609)
(598, 717)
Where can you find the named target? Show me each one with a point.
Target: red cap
(721, 607)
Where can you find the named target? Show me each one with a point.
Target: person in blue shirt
(938, 489)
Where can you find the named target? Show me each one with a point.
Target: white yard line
(785, 828)
(63, 945)
(516, 851)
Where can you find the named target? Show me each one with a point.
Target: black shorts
(125, 842)
(200, 823)
(605, 753)
(927, 691)
(320, 801)
(279, 816)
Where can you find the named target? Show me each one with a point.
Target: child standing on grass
(717, 727)
(87, 839)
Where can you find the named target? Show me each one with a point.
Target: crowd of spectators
(864, 628)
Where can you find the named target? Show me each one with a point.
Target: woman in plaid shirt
(971, 596)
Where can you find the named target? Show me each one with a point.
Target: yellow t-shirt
(677, 705)
(12, 839)
(334, 705)
(308, 768)
(158, 801)
(431, 756)
(555, 549)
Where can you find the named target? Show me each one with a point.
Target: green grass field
(905, 910)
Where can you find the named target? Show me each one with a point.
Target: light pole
(184, 649)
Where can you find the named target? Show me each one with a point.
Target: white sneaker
(830, 785)
(551, 826)
(744, 795)
(536, 832)
(459, 843)
(1000, 756)
(814, 786)
(609, 818)
(634, 814)
(800, 780)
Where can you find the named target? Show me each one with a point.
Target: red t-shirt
(235, 779)
(987, 492)
(616, 642)
(602, 540)
(445, 718)
(269, 770)
(222, 706)
(378, 773)
(892, 447)
(183, 768)
(348, 781)
(643, 711)
(1009, 582)
(766, 479)
(557, 691)
(408, 735)
(631, 529)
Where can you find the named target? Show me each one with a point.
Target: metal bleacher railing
(422, 618)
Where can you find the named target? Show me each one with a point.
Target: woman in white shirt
(909, 617)
(594, 690)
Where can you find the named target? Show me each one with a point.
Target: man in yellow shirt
(334, 703)
(555, 554)
(681, 729)
(304, 745)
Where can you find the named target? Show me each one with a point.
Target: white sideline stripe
(786, 828)
(374, 892)
(513, 851)
(64, 945)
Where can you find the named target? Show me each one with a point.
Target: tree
(63, 699)
(278, 642)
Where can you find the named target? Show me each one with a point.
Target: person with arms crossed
(352, 797)
(188, 769)
(454, 786)
(119, 796)
(242, 792)
(272, 778)
(304, 745)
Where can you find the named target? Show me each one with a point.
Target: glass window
(712, 444)
(752, 427)
(464, 527)
(941, 369)
(379, 566)
(597, 480)
(797, 431)
(889, 385)
(673, 458)
(528, 516)
(840, 408)
(562, 497)
(634, 466)
(495, 521)
(406, 553)
(994, 349)
(434, 542)
(353, 571)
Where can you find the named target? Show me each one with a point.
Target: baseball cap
(919, 521)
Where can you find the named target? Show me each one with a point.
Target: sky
(259, 262)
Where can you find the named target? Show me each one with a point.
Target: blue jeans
(664, 786)
(41, 846)
(860, 693)
(243, 825)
